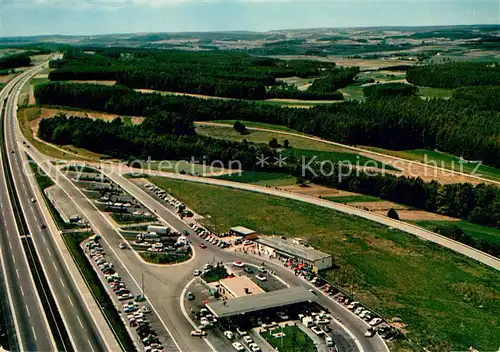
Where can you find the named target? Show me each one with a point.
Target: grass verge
(261, 178)
(73, 241)
(353, 199)
(447, 301)
(293, 340)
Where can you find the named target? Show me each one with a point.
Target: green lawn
(353, 199)
(73, 241)
(477, 231)
(353, 92)
(444, 160)
(294, 340)
(429, 92)
(261, 178)
(448, 302)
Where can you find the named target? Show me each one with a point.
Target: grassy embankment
(449, 302)
(353, 199)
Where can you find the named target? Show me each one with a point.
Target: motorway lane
(83, 333)
(30, 320)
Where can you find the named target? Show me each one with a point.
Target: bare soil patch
(378, 206)
(414, 215)
(317, 191)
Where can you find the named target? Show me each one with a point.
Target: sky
(91, 17)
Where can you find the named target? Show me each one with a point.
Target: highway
(28, 317)
(78, 322)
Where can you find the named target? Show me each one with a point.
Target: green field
(126, 219)
(182, 166)
(443, 160)
(429, 92)
(294, 340)
(274, 179)
(353, 92)
(477, 231)
(353, 199)
(300, 147)
(448, 302)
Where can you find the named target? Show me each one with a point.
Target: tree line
(454, 74)
(14, 61)
(454, 126)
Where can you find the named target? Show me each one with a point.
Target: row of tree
(479, 204)
(158, 137)
(455, 126)
(456, 233)
(454, 74)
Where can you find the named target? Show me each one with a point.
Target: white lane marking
(92, 348)
(48, 251)
(17, 273)
(13, 258)
(62, 282)
(10, 245)
(34, 333)
(22, 291)
(54, 264)
(43, 238)
(70, 301)
(28, 310)
(79, 321)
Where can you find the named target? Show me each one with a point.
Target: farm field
(429, 92)
(353, 199)
(390, 271)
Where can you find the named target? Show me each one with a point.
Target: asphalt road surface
(29, 320)
(84, 335)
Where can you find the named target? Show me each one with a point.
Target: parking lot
(135, 312)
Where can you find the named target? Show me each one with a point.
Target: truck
(161, 230)
(307, 321)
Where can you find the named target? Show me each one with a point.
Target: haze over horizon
(49, 17)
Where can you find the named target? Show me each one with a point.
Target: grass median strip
(445, 300)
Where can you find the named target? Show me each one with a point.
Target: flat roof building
(284, 249)
(238, 286)
(253, 303)
(243, 232)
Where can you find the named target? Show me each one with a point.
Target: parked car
(254, 347)
(317, 330)
(247, 339)
(260, 277)
(282, 315)
(190, 296)
(375, 321)
(197, 272)
(198, 333)
(203, 245)
(238, 264)
(229, 335)
(238, 346)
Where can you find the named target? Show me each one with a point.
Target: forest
(231, 75)
(376, 91)
(460, 127)
(455, 74)
(14, 61)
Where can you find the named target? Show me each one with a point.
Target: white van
(329, 341)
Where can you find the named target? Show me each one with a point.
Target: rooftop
(296, 250)
(236, 285)
(261, 301)
(242, 230)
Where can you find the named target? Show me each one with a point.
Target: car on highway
(260, 277)
(122, 245)
(33, 200)
(238, 346)
(370, 332)
(198, 333)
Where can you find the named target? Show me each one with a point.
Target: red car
(203, 245)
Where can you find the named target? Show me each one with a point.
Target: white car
(238, 346)
(198, 333)
(122, 246)
(197, 272)
(260, 277)
(375, 321)
(247, 339)
(229, 335)
(369, 333)
(317, 330)
(358, 310)
(254, 347)
(282, 315)
(238, 264)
